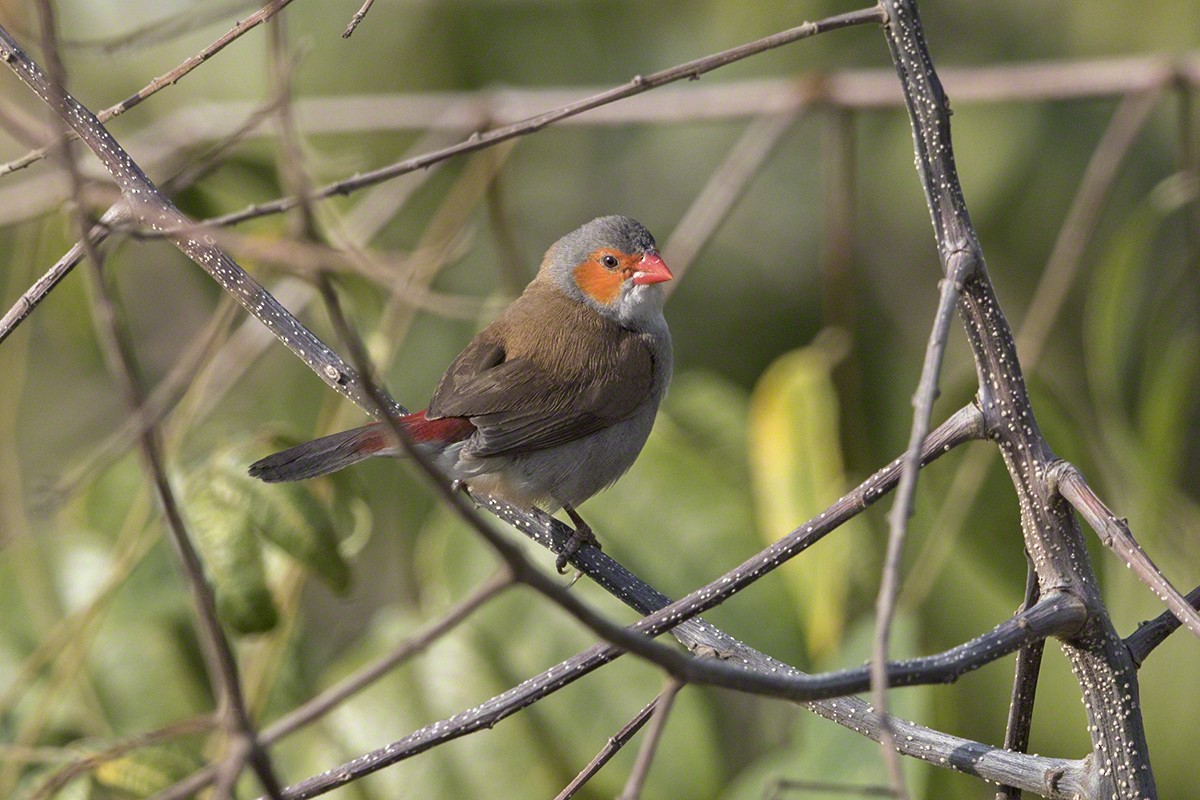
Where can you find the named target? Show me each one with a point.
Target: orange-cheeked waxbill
(554, 400)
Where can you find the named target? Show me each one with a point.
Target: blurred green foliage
(779, 403)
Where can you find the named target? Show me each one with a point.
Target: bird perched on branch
(553, 401)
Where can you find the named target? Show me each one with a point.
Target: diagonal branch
(163, 81)
(691, 70)
(1060, 614)
(329, 699)
(1149, 635)
(641, 767)
(610, 749)
(152, 208)
(1114, 532)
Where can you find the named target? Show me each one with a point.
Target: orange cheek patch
(600, 284)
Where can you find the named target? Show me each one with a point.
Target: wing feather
(520, 402)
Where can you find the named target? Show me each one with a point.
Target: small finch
(554, 400)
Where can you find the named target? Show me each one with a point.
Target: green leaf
(222, 515)
(290, 517)
(797, 469)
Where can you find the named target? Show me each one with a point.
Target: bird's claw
(579, 537)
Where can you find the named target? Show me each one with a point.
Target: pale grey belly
(568, 473)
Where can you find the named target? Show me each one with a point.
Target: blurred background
(807, 285)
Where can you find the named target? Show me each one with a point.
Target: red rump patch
(445, 429)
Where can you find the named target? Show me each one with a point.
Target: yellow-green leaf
(797, 470)
(145, 771)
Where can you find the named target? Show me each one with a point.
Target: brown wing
(519, 405)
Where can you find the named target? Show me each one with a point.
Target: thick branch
(1101, 662)
(1060, 614)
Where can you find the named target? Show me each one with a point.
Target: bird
(550, 403)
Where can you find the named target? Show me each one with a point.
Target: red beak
(651, 269)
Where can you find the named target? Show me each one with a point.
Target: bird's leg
(581, 536)
(459, 485)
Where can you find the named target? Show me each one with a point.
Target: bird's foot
(579, 537)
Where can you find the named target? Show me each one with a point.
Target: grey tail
(320, 456)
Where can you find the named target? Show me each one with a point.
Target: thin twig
(613, 746)
(885, 604)
(152, 208)
(357, 18)
(1149, 635)
(163, 29)
(332, 697)
(1080, 224)
(1115, 534)
(36, 293)
(690, 70)
(645, 756)
(1025, 681)
(220, 658)
(159, 83)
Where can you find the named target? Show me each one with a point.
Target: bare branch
(320, 705)
(786, 786)
(728, 182)
(150, 207)
(610, 749)
(163, 29)
(690, 70)
(357, 18)
(221, 663)
(1076, 232)
(28, 301)
(641, 767)
(168, 79)
(1114, 532)
(1061, 613)
(1149, 635)
(61, 777)
(885, 605)
(1025, 680)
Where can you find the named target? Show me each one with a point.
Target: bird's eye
(609, 261)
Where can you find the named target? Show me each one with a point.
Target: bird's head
(611, 264)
